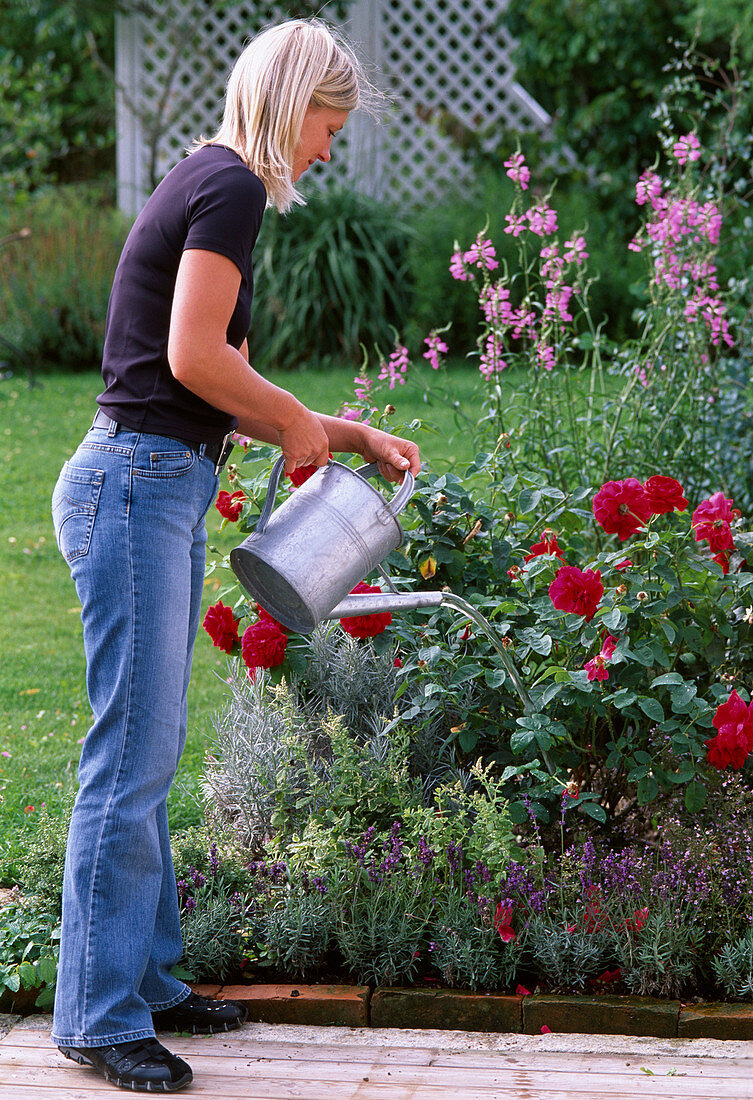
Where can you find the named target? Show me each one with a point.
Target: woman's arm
(201, 359)
(206, 290)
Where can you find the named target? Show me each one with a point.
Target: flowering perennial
(366, 626)
(221, 626)
(577, 590)
(734, 741)
(230, 505)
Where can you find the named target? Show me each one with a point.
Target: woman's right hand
(303, 440)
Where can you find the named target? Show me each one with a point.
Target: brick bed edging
(461, 1010)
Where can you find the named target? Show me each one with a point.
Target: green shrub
(657, 959)
(29, 949)
(465, 946)
(43, 865)
(734, 968)
(213, 947)
(297, 934)
(565, 957)
(55, 284)
(328, 276)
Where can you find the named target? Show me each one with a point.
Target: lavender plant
(734, 968)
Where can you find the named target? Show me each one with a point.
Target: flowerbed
(397, 800)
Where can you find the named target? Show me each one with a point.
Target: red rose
(734, 741)
(665, 495)
(263, 645)
(711, 523)
(366, 626)
(623, 564)
(622, 507)
(303, 473)
(722, 558)
(221, 626)
(547, 545)
(265, 617)
(230, 505)
(577, 590)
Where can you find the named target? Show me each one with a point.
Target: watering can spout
(375, 603)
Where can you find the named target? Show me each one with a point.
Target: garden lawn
(44, 711)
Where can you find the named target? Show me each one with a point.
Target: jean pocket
(171, 463)
(74, 508)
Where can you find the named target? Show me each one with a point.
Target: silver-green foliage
(657, 959)
(379, 932)
(297, 933)
(349, 679)
(564, 955)
(212, 941)
(285, 754)
(466, 948)
(734, 968)
(248, 750)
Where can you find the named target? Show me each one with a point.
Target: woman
(129, 512)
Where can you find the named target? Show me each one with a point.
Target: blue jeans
(129, 511)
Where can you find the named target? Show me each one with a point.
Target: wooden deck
(242, 1066)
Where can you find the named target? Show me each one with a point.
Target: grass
(44, 711)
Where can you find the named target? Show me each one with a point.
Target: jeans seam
(94, 896)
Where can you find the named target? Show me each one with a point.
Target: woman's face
(320, 124)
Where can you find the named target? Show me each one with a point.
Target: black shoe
(143, 1065)
(200, 1016)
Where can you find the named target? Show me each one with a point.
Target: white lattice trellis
(444, 64)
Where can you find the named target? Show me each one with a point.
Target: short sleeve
(225, 213)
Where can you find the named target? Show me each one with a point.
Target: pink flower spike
(687, 148)
(517, 170)
(457, 269)
(515, 225)
(437, 347)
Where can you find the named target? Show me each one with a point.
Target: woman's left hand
(392, 454)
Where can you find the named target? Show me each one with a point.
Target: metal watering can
(303, 559)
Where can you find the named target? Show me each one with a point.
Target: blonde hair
(279, 74)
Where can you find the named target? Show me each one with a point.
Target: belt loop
(112, 429)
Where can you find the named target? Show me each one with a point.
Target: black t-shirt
(212, 201)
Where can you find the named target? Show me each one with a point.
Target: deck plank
(234, 1067)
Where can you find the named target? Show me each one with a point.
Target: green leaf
(47, 968)
(695, 796)
(652, 708)
(648, 789)
(468, 739)
(668, 678)
(539, 643)
(682, 695)
(614, 619)
(521, 739)
(594, 810)
(528, 500)
(28, 975)
(685, 772)
(466, 672)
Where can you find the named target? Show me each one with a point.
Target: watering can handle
(269, 501)
(396, 505)
(403, 494)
